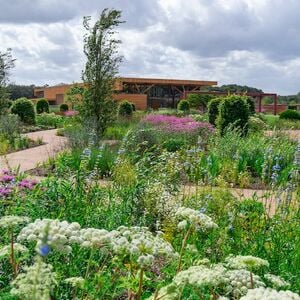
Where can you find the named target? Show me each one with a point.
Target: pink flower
(7, 178)
(175, 124)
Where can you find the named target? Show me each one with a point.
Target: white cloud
(249, 42)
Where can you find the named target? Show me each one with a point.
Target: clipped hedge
(183, 105)
(290, 114)
(42, 106)
(213, 109)
(234, 112)
(24, 108)
(125, 109)
(64, 107)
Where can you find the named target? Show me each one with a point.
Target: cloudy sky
(248, 42)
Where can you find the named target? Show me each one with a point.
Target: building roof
(146, 81)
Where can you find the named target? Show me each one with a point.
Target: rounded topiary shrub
(290, 114)
(251, 105)
(125, 109)
(183, 105)
(234, 112)
(42, 106)
(213, 110)
(24, 108)
(63, 107)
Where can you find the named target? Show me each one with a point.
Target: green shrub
(5, 105)
(290, 114)
(49, 120)
(213, 109)
(125, 109)
(42, 106)
(198, 100)
(25, 110)
(234, 112)
(183, 105)
(251, 105)
(9, 127)
(256, 124)
(133, 107)
(63, 107)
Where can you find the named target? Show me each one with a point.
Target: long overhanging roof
(143, 81)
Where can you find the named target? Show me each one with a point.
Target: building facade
(142, 92)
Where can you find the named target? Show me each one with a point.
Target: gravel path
(293, 134)
(28, 159)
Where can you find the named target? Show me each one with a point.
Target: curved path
(28, 159)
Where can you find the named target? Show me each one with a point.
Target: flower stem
(141, 276)
(12, 254)
(184, 241)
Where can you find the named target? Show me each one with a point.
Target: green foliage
(235, 88)
(199, 100)
(213, 110)
(290, 114)
(125, 109)
(42, 106)
(74, 95)
(251, 105)
(183, 105)
(5, 105)
(256, 124)
(64, 107)
(234, 112)
(98, 104)
(174, 144)
(49, 120)
(25, 110)
(9, 127)
(18, 91)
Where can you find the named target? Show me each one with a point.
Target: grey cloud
(137, 13)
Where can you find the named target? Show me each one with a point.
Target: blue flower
(44, 250)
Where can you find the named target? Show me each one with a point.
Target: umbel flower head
(246, 262)
(141, 244)
(189, 216)
(12, 221)
(50, 233)
(239, 281)
(75, 281)
(35, 283)
(269, 294)
(5, 251)
(276, 281)
(199, 276)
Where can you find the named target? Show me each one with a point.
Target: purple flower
(175, 124)
(7, 178)
(27, 183)
(5, 191)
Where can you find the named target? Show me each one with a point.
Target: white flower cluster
(6, 250)
(195, 218)
(58, 234)
(276, 281)
(198, 276)
(270, 294)
(93, 237)
(35, 283)
(12, 221)
(239, 281)
(245, 262)
(140, 243)
(75, 281)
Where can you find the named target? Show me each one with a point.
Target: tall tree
(101, 50)
(6, 63)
